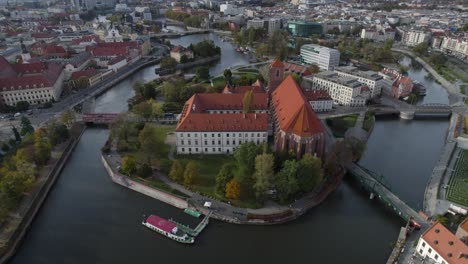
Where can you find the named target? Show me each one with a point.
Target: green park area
(339, 125)
(458, 183)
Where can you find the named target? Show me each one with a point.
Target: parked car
(17, 114)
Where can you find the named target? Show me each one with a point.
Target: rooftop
(447, 245)
(334, 77)
(372, 75)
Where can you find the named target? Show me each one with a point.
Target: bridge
(407, 111)
(180, 34)
(376, 185)
(108, 118)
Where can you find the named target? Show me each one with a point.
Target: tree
(421, 48)
(120, 128)
(148, 140)
(26, 127)
(168, 62)
(156, 107)
(309, 173)
(67, 118)
(227, 76)
(225, 174)
(442, 219)
(177, 171)
(149, 91)
(129, 165)
(247, 102)
(143, 109)
(314, 68)
(263, 174)
(286, 182)
(144, 170)
(203, 72)
(184, 59)
(233, 189)
(16, 133)
(22, 106)
(190, 173)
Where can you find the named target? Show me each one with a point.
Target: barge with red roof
(167, 229)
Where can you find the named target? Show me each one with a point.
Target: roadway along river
(88, 219)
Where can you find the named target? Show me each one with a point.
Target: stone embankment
(15, 229)
(143, 189)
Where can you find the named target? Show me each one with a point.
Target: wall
(143, 189)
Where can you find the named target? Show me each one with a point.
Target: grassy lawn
(248, 70)
(368, 121)
(339, 125)
(463, 88)
(216, 81)
(458, 183)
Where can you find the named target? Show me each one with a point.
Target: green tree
(227, 75)
(177, 171)
(314, 69)
(129, 165)
(26, 127)
(442, 219)
(184, 59)
(148, 140)
(309, 173)
(67, 118)
(149, 91)
(190, 173)
(286, 182)
(263, 174)
(233, 189)
(120, 128)
(143, 109)
(168, 63)
(421, 49)
(225, 174)
(144, 170)
(203, 72)
(244, 156)
(16, 133)
(247, 102)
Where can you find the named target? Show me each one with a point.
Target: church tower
(275, 75)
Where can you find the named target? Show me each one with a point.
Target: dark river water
(88, 219)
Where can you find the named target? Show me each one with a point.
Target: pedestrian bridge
(107, 118)
(377, 186)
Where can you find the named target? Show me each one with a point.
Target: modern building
(304, 28)
(296, 126)
(215, 123)
(273, 24)
(370, 79)
(231, 10)
(441, 246)
(34, 83)
(344, 90)
(456, 46)
(413, 37)
(255, 23)
(378, 35)
(326, 58)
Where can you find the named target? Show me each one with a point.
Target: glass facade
(304, 29)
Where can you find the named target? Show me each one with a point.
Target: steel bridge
(378, 186)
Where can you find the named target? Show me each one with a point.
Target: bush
(165, 165)
(122, 146)
(144, 170)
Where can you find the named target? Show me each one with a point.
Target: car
(17, 114)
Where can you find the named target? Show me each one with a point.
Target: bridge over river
(377, 186)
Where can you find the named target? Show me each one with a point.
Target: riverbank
(15, 229)
(268, 215)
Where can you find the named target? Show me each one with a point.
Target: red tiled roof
(277, 63)
(178, 48)
(293, 112)
(243, 89)
(106, 51)
(30, 75)
(85, 73)
(224, 122)
(86, 39)
(6, 70)
(446, 244)
(317, 95)
(115, 60)
(42, 35)
(29, 68)
(299, 69)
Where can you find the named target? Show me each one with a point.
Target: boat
(167, 228)
(191, 212)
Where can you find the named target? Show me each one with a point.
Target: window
(436, 256)
(420, 251)
(204, 135)
(188, 135)
(182, 142)
(206, 142)
(219, 134)
(190, 149)
(240, 134)
(196, 149)
(227, 142)
(219, 149)
(214, 149)
(423, 244)
(430, 250)
(227, 135)
(190, 142)
(183, 149)
(206, 149)
(212, 135)
(233, 142)
(219, 142)
(212, 142)
(196, 141)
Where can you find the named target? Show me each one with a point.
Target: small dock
(197, 230)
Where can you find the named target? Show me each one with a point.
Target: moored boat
(167, 228)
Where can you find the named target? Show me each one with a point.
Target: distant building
(413, 37)
(320, 100)
(401, 86)
(232, 10)
(113, 36)
(456, 46)
(441, 246)
(304, 28)
(344, 90)
(326, 58)
(178, 52)
(378, 35)
(255, 23)
(34, 83)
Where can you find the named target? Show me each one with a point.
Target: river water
(88, 219)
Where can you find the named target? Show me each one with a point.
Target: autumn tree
(233, 189)
(177, 171)
(314, 69)
(120, 128)
(247, 102)
(263, 174)
(224, 176)
(309, 173)
(148, 142)
(143, 109)
(67, 118)
(129, 165)
(190, 173)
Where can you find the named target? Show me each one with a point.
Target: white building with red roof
(178, 52)
(215, 123)
(440, 245)
(320, 100)
(34, 83)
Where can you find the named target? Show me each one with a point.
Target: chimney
(244, 115)
(255, 115)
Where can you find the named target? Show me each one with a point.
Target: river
(88, 219)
